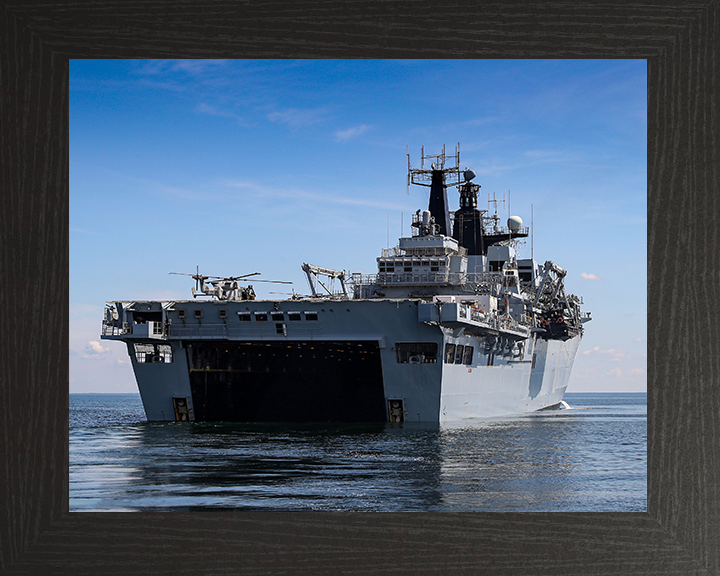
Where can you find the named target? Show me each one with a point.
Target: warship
(453, 325)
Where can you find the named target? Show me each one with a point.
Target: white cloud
(310, 197)
(197, 66)
(588, 276)
(296, 118)
(94, 349)
(493, 168)
(153, 67)
(214, 111)
(547, 156)
(351, 132)
(207, 109)
(637, 371)
(615, 372)
(541, 153)
(616, 354)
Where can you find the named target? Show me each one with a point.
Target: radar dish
(514, 223)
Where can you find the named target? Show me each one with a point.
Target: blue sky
(243, 166)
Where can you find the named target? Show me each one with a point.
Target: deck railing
(481, 280)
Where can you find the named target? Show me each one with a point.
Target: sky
(241, 166)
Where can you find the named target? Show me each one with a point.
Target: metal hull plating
(349, 362)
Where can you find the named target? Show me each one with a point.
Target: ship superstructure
(453, 325)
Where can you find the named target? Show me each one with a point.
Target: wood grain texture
(680, 533)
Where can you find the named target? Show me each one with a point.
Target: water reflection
(521, 464)
(572, 461)
(376, 467)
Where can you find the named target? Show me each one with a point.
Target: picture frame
(679, 532)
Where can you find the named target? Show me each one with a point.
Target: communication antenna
(407, 151)
(495, 201)
(532, 231)
(388, 230)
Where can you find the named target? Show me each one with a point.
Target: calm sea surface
(591, 457)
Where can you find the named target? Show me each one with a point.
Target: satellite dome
(469, 175)
(514, 223)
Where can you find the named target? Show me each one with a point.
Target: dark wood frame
(680, 532)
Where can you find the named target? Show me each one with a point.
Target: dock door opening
(396, 411)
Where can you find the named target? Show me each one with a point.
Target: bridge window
(459, 349)
(449, 353)
(416, 352)
(468, 355)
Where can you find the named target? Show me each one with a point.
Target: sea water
(591, 457)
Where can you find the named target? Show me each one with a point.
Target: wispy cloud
(298, 118)
(153, 67)
(589, 276)
(214, 111)
(305, 196)
(480, 121)
(198, 66)
(616, 354)
(80, 230)
(552, 156)
(542, 154)
(148, 186)
(351, 132)
(94, 349)
(494, 168)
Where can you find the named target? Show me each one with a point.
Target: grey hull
(259, 365)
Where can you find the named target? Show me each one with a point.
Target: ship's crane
(313, 272)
